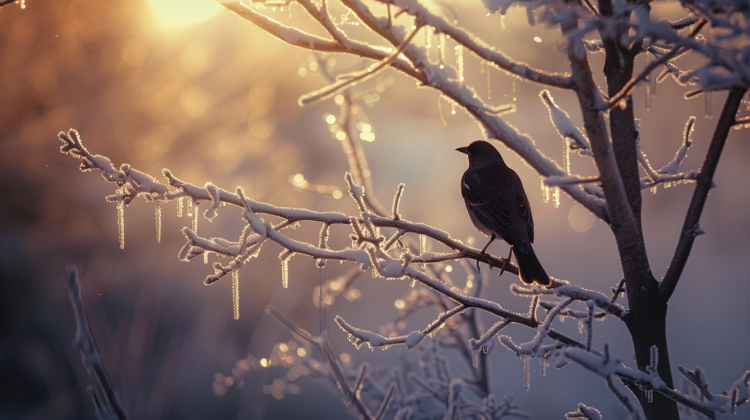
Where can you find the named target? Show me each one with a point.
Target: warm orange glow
(183, 12)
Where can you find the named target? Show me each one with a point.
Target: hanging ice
(442, 48)
(489, 84)
(526, 372)
(285, 272)
(121, 222)
(440, 110)
(195, 214)
(157, 211)
(236, 293)
(180, 205)
(556, 197)
(460, 63)
(190, 203)
(545, 191)
(422, 249)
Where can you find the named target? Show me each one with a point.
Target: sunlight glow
(184, 12)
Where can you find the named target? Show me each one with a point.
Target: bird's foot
(506, 262)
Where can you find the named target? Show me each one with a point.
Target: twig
(105, 395)
(343, 83)
(703, 186)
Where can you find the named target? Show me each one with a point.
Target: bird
(498, 207)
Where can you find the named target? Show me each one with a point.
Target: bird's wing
(524, 209)
(486, 203)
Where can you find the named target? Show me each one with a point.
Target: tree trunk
(647, 318)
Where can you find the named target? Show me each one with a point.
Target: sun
(184, 12)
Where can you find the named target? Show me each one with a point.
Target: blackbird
(498, 206)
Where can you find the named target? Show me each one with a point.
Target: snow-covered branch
(612, 370)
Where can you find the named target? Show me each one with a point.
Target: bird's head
(480, 152)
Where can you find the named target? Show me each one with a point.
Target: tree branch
(106, 401)
(690, 228)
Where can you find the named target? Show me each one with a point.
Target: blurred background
(190, 87)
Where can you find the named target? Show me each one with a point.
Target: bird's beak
(464, 150)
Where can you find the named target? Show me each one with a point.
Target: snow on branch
(668, 174)
(576, 293)
(584, 412)
(713, 406)
(350, 79)
(561, 120)
(442, 79)
(358, 336)
(480, 48)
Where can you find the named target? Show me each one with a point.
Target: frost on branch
(584, 413)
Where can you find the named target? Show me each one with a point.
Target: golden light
(184, 12)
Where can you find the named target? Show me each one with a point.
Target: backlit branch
(710, 405)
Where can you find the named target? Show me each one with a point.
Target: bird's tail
(530, 270)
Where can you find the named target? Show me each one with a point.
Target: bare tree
(393, 248)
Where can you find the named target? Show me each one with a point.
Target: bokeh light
(183, 12)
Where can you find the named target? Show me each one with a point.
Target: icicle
(709, 105)
(121, 221)
(427, 42)
(285, 272)
(195, 216)
(460, 63)
(650, 395)
(413, 283)
(580, 327)
(545, 191)
(180, 205)
(514, 91)
(236, 293)
(653, 189)
(526, 371)
(422, 249)
(205, 257)
(442, 48)
(157, 214)
(556, 197)
(543, 363)
(489, 85)
(440, 110)
(453, 108)
(190, 203)
(648, 96)
(566, 155)
(475, 359)
(502, 21)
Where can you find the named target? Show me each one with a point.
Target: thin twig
(705, 180)
(105, 396)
